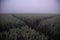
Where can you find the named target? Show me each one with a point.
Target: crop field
(29, 26)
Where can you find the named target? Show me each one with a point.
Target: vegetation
(15, 27)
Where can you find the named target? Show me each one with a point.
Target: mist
(30, 6)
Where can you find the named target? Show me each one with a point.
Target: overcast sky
(29, 6)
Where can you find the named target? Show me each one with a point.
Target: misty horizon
(30, 6)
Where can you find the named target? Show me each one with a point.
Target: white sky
(29, 6)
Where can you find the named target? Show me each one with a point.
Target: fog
(29, 6)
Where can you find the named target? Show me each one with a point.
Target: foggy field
(30, 20)
(10, 18)
(29, 26)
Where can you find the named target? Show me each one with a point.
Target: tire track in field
(35, 23)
